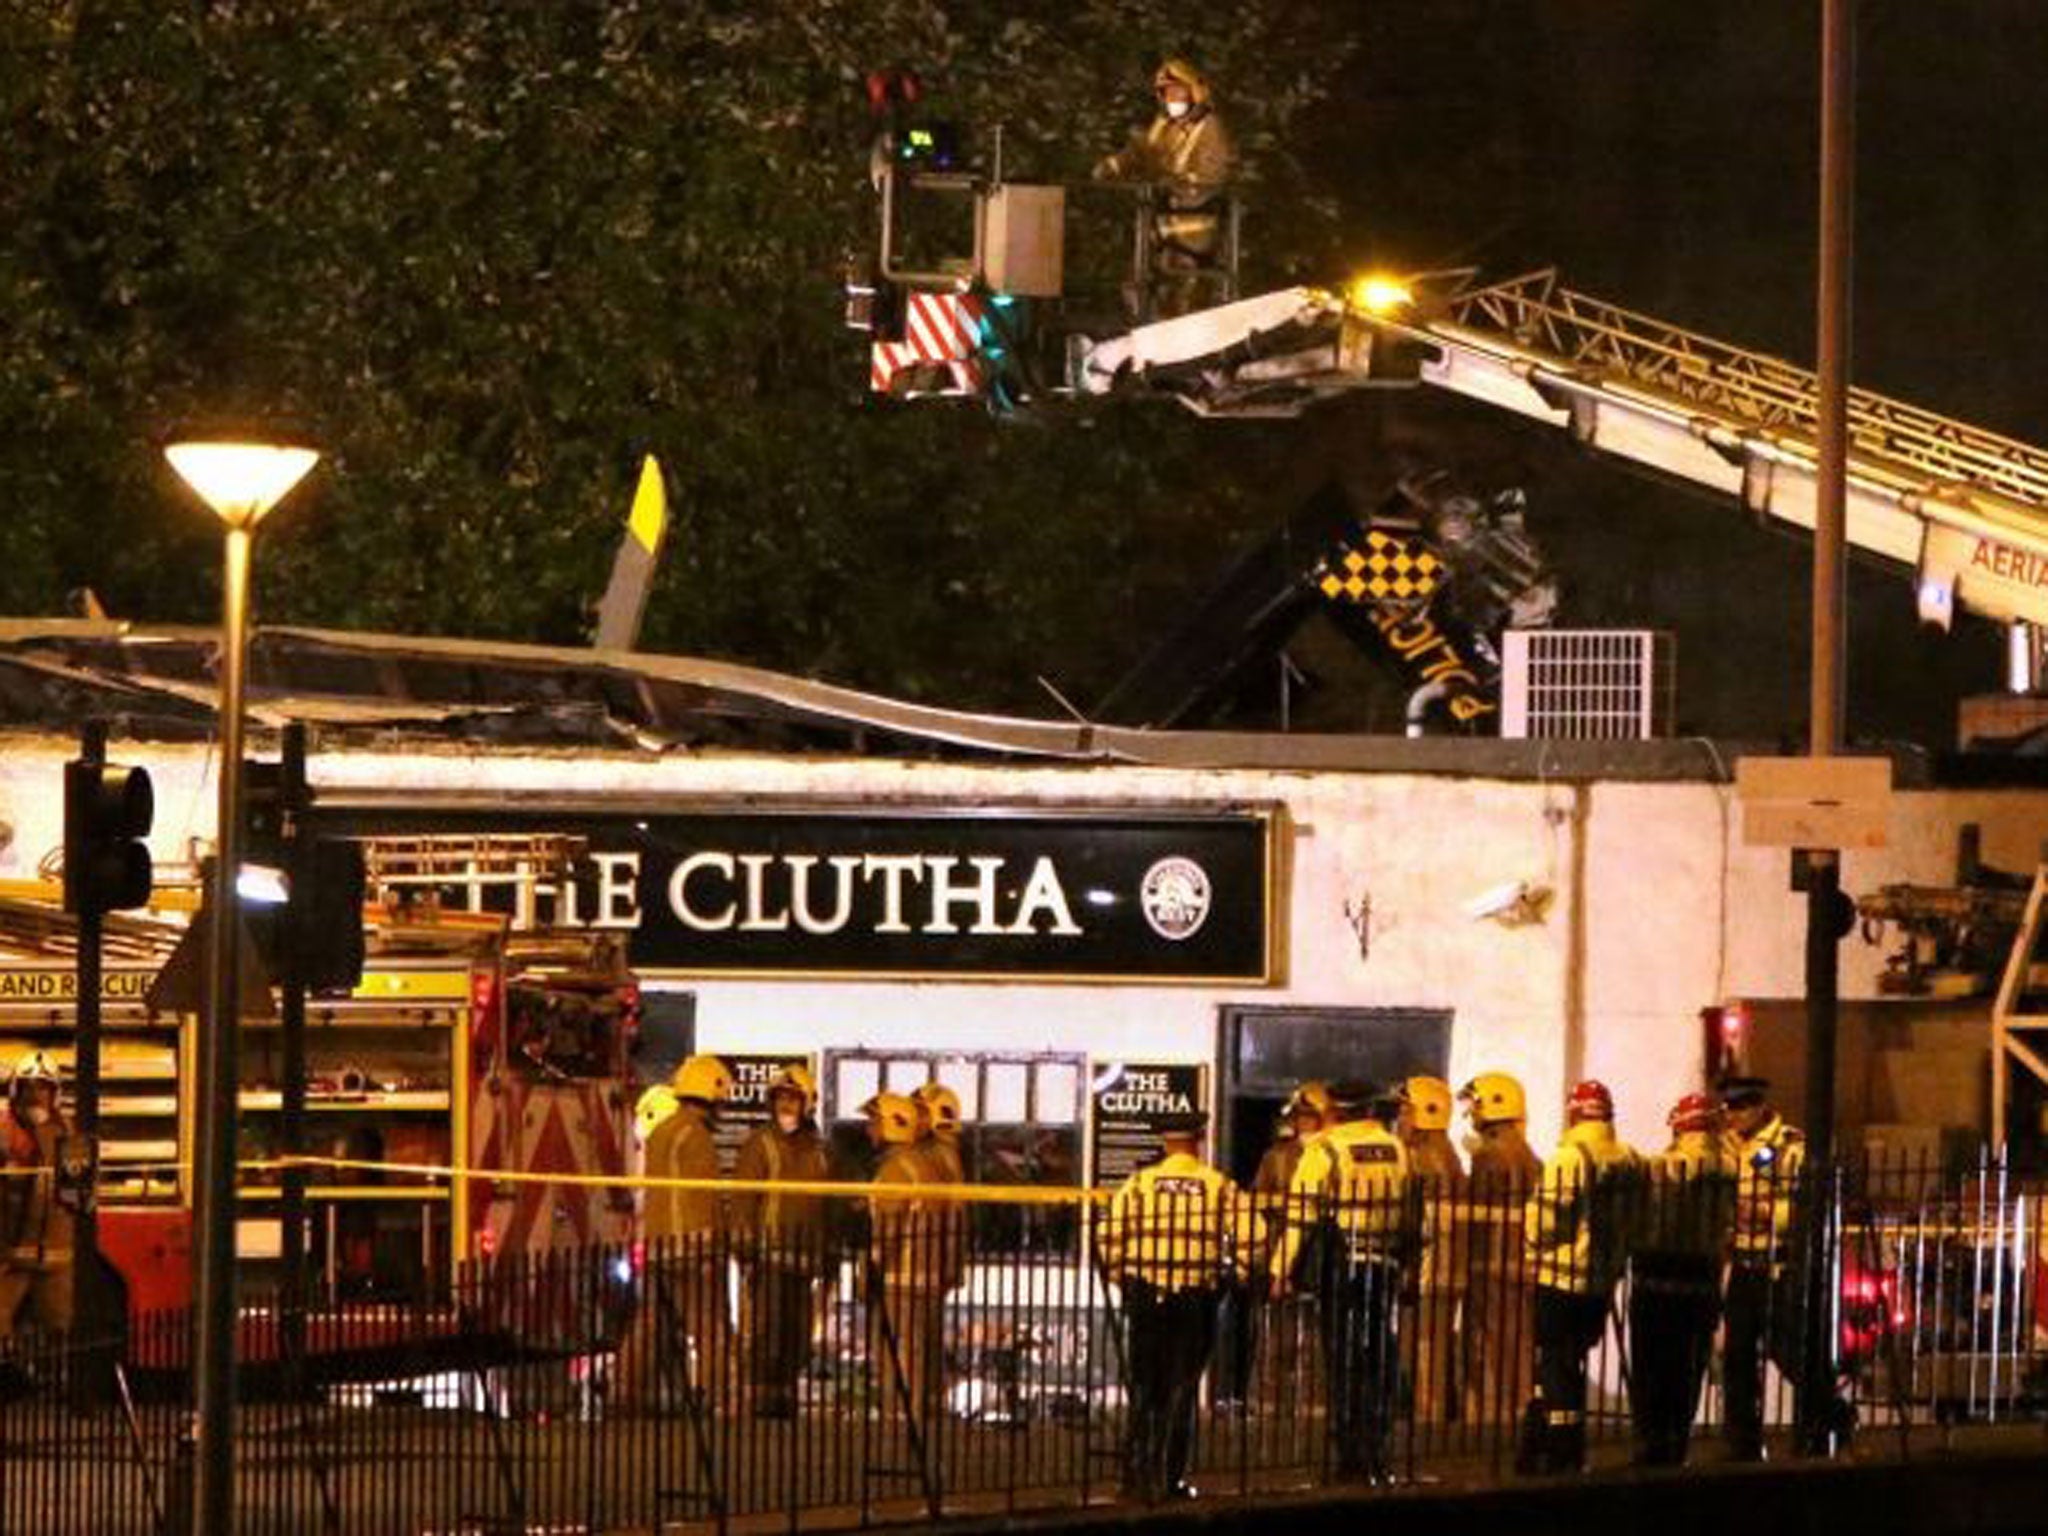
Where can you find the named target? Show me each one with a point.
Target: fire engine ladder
(1966, 508)
(2019, 1017)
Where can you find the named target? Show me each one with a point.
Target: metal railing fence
(906, 1355)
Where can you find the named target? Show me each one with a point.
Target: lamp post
(241, 482)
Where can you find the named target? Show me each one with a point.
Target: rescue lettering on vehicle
(40, 986)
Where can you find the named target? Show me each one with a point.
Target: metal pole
(292, 1063)
(1823, 891)
(214, 1215)
(85, 1063)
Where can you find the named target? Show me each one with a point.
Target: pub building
(1081, 929)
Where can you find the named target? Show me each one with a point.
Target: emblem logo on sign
(1175, 896)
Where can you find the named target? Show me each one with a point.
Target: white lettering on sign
(618, 889)
(713, 891)
(679, 892)
(1146, 1093)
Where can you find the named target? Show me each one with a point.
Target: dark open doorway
(1265, 1052)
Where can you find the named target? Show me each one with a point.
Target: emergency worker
(1764, 1308)
(1351, 1201)
(1577, 1227)
(906, 1334)
(44, 1179)
(1176, 1231)
(1674, 1294)
(1185, 153)
(1281, 1323)
(781, 1239)
(684, 1306)
(1439, 1288)
(1499, 1317)
(938, 1124)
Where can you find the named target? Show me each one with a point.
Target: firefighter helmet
(652, 1107)
(1428, 1102)
(1589, 1101)
(1494, 1098)
(35, 1070)
(795, 1078)
(943, 1105)
(1696, 1112)
(1310, 1098)
(1183, 74)
(705, 1078)
(894, 1116)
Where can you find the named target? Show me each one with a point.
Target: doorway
(1264, 1053)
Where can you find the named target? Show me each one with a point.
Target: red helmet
(1589, 1101)
(1695, 1112)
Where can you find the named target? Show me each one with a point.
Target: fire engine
(486, 1058)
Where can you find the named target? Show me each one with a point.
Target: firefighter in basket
(1184, 155)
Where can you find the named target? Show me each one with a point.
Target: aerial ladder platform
(1963, 508)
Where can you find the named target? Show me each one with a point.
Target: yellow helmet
(1181, 73)
(895, 1116)
(1311, 1097)
(652, 1107)
(1428, 1102)
(1494, 1097)
(702, 1077)
(795, 1078)
(943, 1105)
(32, 1071)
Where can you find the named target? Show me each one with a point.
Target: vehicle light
(1378, 295)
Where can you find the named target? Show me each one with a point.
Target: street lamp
(240, 481)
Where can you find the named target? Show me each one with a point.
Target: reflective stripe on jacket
(1771, 1161)
(1576, 1224)
(1353, 1176)
(1178, 1225)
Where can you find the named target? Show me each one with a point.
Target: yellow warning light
(1378, 295)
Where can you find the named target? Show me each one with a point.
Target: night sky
(1664, 156)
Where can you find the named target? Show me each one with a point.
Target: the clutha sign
(1028, 894)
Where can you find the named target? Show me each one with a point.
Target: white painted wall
(1658, 907)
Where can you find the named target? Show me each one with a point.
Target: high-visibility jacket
(1505, 1173)
(1178, 1225)
(947, 1215)
(1689, 1206)
(1577, 1223)
(35, 1223)
(785, 1230)
(902, 1238)
(1771, 1164)
(1354, 1179)
(681, 1148)
(1440, 1181)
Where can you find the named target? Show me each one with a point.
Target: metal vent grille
(1586, 684)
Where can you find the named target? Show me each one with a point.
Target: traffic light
(324, 915)
(107, 814)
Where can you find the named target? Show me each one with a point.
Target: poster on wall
(1127, 1100)
(748, 1106)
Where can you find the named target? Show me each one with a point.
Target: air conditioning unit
(1586, 684)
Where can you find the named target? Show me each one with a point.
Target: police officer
(38, 1196)
(1439, 1289)
(1674, 1294)
(906, 1321)
(1577, 1231)
(1175, 1232)
(1763, 1300)
(1186, 152)
(1353, 1193)
(1500, 1297)
(781, 1238)
(685, 1302)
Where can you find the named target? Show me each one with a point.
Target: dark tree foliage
(483, 255)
